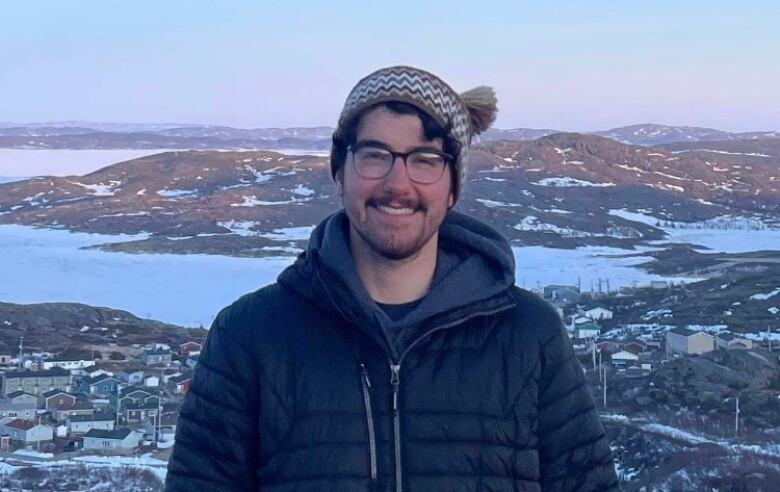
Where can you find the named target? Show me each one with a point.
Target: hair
(431, 129)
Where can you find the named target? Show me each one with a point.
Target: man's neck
(394, 281)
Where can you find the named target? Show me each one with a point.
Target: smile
(395, 210)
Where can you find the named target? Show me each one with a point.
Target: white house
(26, 431)
(117, 440)
(152, 381)
(623, 358)
(729, 341)
(81, 424)
(689, 342)
(67, 364)
(598, 313)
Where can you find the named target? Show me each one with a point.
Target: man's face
(393, 216)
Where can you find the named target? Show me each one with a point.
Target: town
(54, 407)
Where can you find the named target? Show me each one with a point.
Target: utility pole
(593, 345)
(600, 367)
(769, 337)
(117, 407)
(605, 387)
(21, 345)
(736, 419)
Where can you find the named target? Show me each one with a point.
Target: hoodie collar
(474, 265)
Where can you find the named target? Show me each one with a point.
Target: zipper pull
(395, 369)
(365, 375)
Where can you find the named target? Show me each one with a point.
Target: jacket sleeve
(217, 434)
(574, 450)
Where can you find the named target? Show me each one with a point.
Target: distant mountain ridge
(84, 135)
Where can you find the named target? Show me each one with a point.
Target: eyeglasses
(422, 166)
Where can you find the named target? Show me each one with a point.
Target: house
(181, 384)
(93, 371)
(167, 374)
(165, 430)
(136, 404)
(56, 398)
(77, 408)
(151, 381)
(688, 342)
(36, 382)
(659, 284)
(635, 347)
(6, 360)
(131, 376)
(587, 330)
(99, 385)
(191, 362)
(730, 341)
(26, 431)
(67, 364)
(561, 294)
(116, 440)
(18, 405)
(156, 356)
(598, 313)
(608, 346)
(81, 424)
(624, 358)
(190, 349)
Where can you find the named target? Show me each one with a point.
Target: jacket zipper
(395, 382)
(366, 383)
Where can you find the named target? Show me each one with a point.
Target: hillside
(76, 329)
(561, 190)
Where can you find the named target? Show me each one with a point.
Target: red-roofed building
(26, 431)
(189, 349)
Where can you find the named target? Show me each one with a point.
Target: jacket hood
(474, 265)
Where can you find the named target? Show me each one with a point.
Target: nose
(398, 177)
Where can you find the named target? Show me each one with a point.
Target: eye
(372, 153)
(426, 159)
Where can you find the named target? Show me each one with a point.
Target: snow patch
(568, 182)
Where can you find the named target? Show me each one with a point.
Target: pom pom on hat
(481, 105)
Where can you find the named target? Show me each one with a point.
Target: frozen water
(43, 265)
(45, 162)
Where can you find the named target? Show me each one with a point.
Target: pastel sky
(568, 65)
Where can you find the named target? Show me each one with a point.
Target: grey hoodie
(474, 264)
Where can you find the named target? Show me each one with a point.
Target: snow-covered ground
(722, 235)
(147, 462)
(64, 162)
(44, 265)
(538, 266)
(44, 162)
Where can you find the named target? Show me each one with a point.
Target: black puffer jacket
(305, 385)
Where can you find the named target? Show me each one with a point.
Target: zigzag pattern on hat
(425, 91)
(412, 85)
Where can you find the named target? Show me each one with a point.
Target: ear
(450, 200)
(339, 178)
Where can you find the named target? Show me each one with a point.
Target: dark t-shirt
(398, 311)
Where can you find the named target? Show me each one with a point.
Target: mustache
(388, 200)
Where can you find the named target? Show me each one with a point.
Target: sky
(564, 65)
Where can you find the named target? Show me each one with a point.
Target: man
(396, 353)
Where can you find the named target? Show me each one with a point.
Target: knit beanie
(461, 115)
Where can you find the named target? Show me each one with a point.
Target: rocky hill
(77, 329)
(561, 190)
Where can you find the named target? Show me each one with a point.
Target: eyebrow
(382, 145)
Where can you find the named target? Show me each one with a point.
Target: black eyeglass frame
(448, 159)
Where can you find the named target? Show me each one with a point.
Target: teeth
(395, 211)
